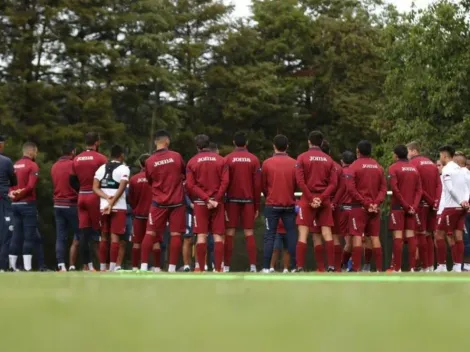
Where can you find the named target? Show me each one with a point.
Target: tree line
(352, 69)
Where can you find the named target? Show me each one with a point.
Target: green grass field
(222, 313)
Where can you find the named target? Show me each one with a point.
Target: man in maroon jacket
(368, 189)
(85, 166)
(140, 199)
(278, 185)
(427, 210)
(317, 177)
(65, 202)
(165, 171)
(243, 197)
(207, 181)
(406, 195)
(25, 213)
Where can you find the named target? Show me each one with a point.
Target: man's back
(85, 166)
(60, 173)
(430, 179)
(367, 180)
(140, 194)
(243, 170)
(164, 170)
(208, 175)
(317, 171)
(406, 184)
(6, 174)
(278, 180)
(455, 185)
(110, 176)
(27, 173)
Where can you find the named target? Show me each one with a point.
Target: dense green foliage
(351, 68)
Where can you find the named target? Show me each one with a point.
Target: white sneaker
(366, 268)
(430, 269)
(266, 271)
(441, 268)
(272, 270)
(466, 267)
(118, 268)
(399, 271)
(285, 271)
(226, 269)
(157, 270)
(207, 268)
(457, 268)
(412, 270)
(253, 269)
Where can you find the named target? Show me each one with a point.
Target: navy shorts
(189, 225)
(280, 242)
(96, 236)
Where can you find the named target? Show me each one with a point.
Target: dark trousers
(6, 231)
(66, 221)
(25, 224)
(272, 214)
(39, 250)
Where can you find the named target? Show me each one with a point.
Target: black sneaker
(331, 269)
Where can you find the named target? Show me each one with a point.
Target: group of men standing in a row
(215, 195)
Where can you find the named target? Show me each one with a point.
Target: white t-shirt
(121, 173)
(455, 185)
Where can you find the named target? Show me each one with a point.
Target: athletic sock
(175, 250)
(330, 253)
(251, 249)
(147, 245)
(228, 250)
(441, 252)
(201, 249)
(27, 262)
(114, 253)
(301, 251)
(103, 251)
(459, 252)
(13, 259)
(367, 255)
(102, 266)
(135, 257)
(112, 265)
(430, 247)
(356, 258)
(423, 250)
(397, 253)
(412, 252)
(157, 254)
(338, 257)
(378, 256)
(319, 257)
(218, 255)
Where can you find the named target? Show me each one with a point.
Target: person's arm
(418, 194)
(73, 180)
(438, 190)
(122, 188)
(97, 189)
(11, 174)
(193, 187)
(352, 188)
(333, 182)
(449, 186)
(264, 180)
(131, 196)
(257, 185)
(32, 182)
(300, 179)
(383, 190)
(225, 180)
(396, 189)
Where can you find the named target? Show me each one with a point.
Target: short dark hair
(447, 149)
(202, 141)
(365, 148)
(213, 147)
(143, 158)
(316, 138)
(91, 138)
(116, 151)
(325, 147)
(29, 145)
(401, 151)
(240, 139)
(348, 157)
(281, 142)
(414, 145)
(2, 139)
(68, 148)
(161, 134)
